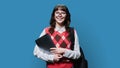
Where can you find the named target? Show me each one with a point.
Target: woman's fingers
(52, 48)
(57, 57)
(60, 56)
(57, 50)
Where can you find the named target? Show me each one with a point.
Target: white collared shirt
(60, 29)
(73, 54)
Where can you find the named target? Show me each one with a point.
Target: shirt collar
(60, 29)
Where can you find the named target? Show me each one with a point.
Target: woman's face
(60, 16)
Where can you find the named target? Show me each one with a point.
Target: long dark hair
(67, 19)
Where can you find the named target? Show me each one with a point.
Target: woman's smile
(60, 16)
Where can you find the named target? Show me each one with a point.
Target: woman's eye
(63, 13)
(60, 12)
(57, 12)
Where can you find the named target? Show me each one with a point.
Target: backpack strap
(72, 38)
(81, 62)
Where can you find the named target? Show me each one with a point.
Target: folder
(45, 42)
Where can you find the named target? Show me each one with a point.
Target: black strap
(81, 62)
(72, 37)
(72, 41)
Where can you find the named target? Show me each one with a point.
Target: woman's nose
(60, 14)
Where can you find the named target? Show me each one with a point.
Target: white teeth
(59, 18)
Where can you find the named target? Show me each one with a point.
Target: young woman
(59, 31)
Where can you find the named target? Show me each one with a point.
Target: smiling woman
(60, 16)
(59, 31)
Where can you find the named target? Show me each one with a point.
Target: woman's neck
(58, 25)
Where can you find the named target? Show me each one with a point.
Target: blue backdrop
(97, 23)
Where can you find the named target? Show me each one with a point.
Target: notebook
(45, 42)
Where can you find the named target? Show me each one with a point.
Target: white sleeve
(73, 54)
(39, 53)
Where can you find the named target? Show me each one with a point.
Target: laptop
(45, 42)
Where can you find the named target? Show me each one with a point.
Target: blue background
(97, 23)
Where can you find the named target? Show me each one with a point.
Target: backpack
(81, 62)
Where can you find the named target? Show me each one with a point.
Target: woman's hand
(58, 50)
(57, 57)
(57, 53)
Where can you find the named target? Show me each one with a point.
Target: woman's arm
(73, 54)
(39, 53)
